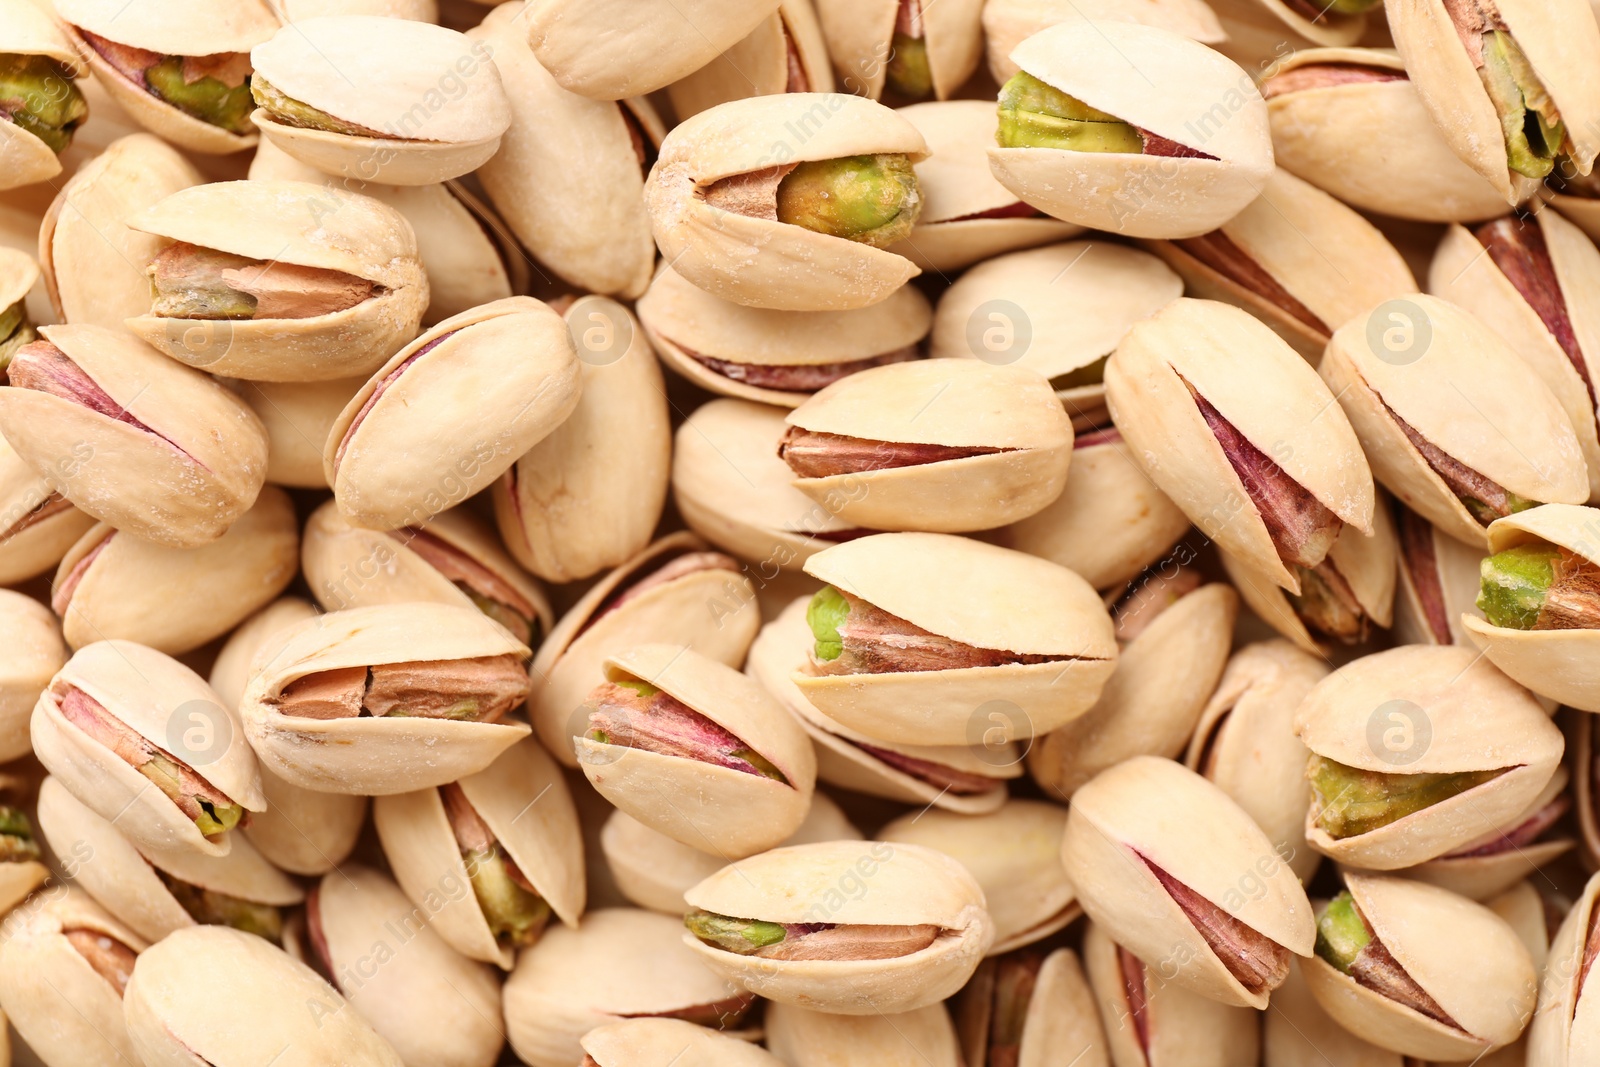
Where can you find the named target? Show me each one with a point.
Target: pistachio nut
(363, 937)
(1028, 1009)
(179, 69)
(1576, 196)
(1007, 23)
(145, 743)
(441, 676)
(899, 657)
(172, 1017)
(64, 964)
(787, 230)
(1298, 1033)
(618, 963)
(298, 416)
(1237, 429)
(35, 651)
(450, 412)
(43, 106)
(1511, 84)
(696, 750)
(487, 868)
(590, 494)
(1535, 917)
(1130, 129)
(22, 868)
(847, 927)
(156, 449)
(663, 1042)
(1586, 787)
(37, 524)
(1329, 23)
(801, 1037)
(903, 50)
(112, 585)
(1417, 751)
(379, 99)
(280, 280)
(785, 53)
(1438, 583)
(296, 10)
(674, 590)
(1564, 1030)
(1419, 970)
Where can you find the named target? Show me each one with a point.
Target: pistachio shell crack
(383, 387)
(512, 907)
(61, 596)
(726, 1014)
(38, 95)
(1484, 499)
(635, 714)
(1529, 119)
(796, 377)
(659, 571)
(1326, 76)
(944, 778)
(15, 331)
(110, 958)
(1034, 114)
(492, 595)
(1016, 975)
(17, 844)
(809, 941)
(213, 908)
(53, 504)
(190, 282)
(874, 200)
(1417, 555)
(291, 112)
(1136, 990)
(1219, 252)
(212, 88)
(1148, 596)
(1316, 10)
(814, 454)
(42, 366)
(1327, 604)
(1345, 942)
(908, 73)
(480, 689)
(855, 637)
(1517, 246)
(1349, 801)
(1259, 963)
(1540, 586)
(1520, 836)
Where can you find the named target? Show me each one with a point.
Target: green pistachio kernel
(871, 199)
(1351, 7)
(40, 97)
(292, 112)
(1528, 116)
(1514, 583)
(827, 610)
(644, 689)
(211, 908)
(516, 915)
(217, 818)
(1341, 932)
(744, 936)
(908, 73)
(1350, 801)
(1486, 514)
(207, 99)
(16, 836)
(1036, 115)
(519, 627)
(15, 331)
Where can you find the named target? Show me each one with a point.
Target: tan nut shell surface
(920, 1038)
(35, 651)
(298, 417)
(1566, 1029)
(1060, 1020)
(1007, 23)
(1298, 1033)
(1456, 563)
(1484, 877)
(664, 1042)
(860, 36)
(758, 63)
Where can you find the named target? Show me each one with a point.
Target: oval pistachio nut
(35, 651)
(298, 416)
(780, 925)
(1417, 751)
(1180, 876)
(1130, 129)
(903, 50)
(663, 1042)
(1534, 914)
(805, 1038)
(1438, 583)
(1237, 429)
(785, 53)
(112, 585)
(1298, 1033)
(1007, 23)
(819, 212)
(379, 99)
(1329, 23)
(296, 10)
(1029, 1008)
(1565, 1030)
(899, 656)
(41, 107)
(280, 280)
(180, 70)
(154, 448)
(1419, 970)
(37, 524)
(1495, 443)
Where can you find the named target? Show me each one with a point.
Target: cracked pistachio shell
(257, 638)
(850, 759)
(524, 801)
(29, 548)
(1558, 664)
(1246, 746)
(684, 322)
(128, 882)
(182, 482)
(711, 611)
(30, 31)
(961, 403)
(18, 271)
(298, 416)
(65, 1011)
(1429, 710)
(1007, 23)
(1150, 810)
(1015, 854)
(590, 494)
(34, 653)
(860, 35)
(380, 755)
(168, 28)
(296, 10)
(1562, 45)
(1467, 958)
(651, 1042)
(1455, 570)
(729, 812)
(169, 706)
(1496, 418)
(1060, 1022)
(1327, 28)
(113, 585)
(758, 64)
(432, 95)
(1480, 877)
(1566, 1029)
(800, 1037)
(979, 595)
(904, 885)
(431, 428)
(761, 262)
(300, 224)
(1298, 1033)
(559, 991)
(173, 1019)
(1181, 1027)
(1265, 391)
(1159, 81)
(559, 150)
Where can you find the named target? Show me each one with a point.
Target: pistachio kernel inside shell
(635, 714)
(871, 199)
(490, 593)
(15, 331)
(477, 689)
(191, 282)
(1136, 990)
(1529, 118)
(1034, 114)
(61, 596)
(1517, 246)
(1346, 943)
(940, 776)
(795, 377)
(1016, 976)
(1089, 374)
(1219, 252)
(1591, 949)
(1349, 801)
(512, 907)
(1316, 10)
(212, 88)
(1326, 76)
(1540, 586)
(725, 1014)
(109, 957)
(212, 908)
(809, 941)
(1328, 605)
(17, 844)
(855, 637)
(38, 94)
(814, 454)
(288, 111)
(1484, 500)
(908, 73)
(42, 366)
(1257, 962)
(1422, 566)
(1150, 594)
(1519, 835)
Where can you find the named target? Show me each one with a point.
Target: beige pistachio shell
(1456, 567)
(376, 756)
(29, 30)
(298, 417)
(256, 637)
(1586, 789)
(763, 262)
(28, 548)
(173, 1021)
(800, 1037)
(1007, 23)
(295, 10)
(1467, 958)
(650, 1042)
(556, 994)
(590, 494)
(1060, 1018)
(1260, 386)
(907, 885)
(18, 880)
(1429, 710)
(933, 581)
(1481, 877)
(1566, 1029)
(1581, 210)
(860, 35)
(1328, 28)
(758, 64)
(1298, 1033)
(172, 708)
(1523, 906)
(1155, 810)
(35, 651)
(1162, 82)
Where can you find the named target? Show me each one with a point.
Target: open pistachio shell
(664, 1042)
(428, 100)
(1030, 608)
(19, 877)
(34, 653)
(30, 31)
(298, 417)
(1311, 20)
(1158, 81)
(862, 34)
(1428, 710)
(113, 585)
(1298, 1033)
(786, 52)
(908, 885)
(1007, 23)
(384, 754)
(1500, 859)
(1058, 1018)
(257, 638)
(1438, 584)
(37, 525)
(1566, 1030)
(801, 1037)
(760, 261)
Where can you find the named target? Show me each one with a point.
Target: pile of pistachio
(899, 533)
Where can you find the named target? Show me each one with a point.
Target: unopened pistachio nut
(1437, 585)
(903, 50)
(35, 651)
(379, 99)
(22, 868)
(1028, 1008)
(1565, 1030)
(801, 1037)
(785, 53)
(298, 416)
(1298, 1033)
(38, 67)
(1007, 23)
(1416, 752)
(37, 524)
(663, 1042)
(1130, 129)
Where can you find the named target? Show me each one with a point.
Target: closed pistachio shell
(1158, 81)
(1523, 907)
(1298, 1033)
(1428, 710)
(1438, 584)
(801, 1037)
(173, 1021)
(30, 31)
(1007, 23)
(1503, 857)
(1057, 1019)
(759, 64)
(862, 34)
(34, 653)
(663, 1042)
(37, 524)
(298, 416)
(1566, 1029)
